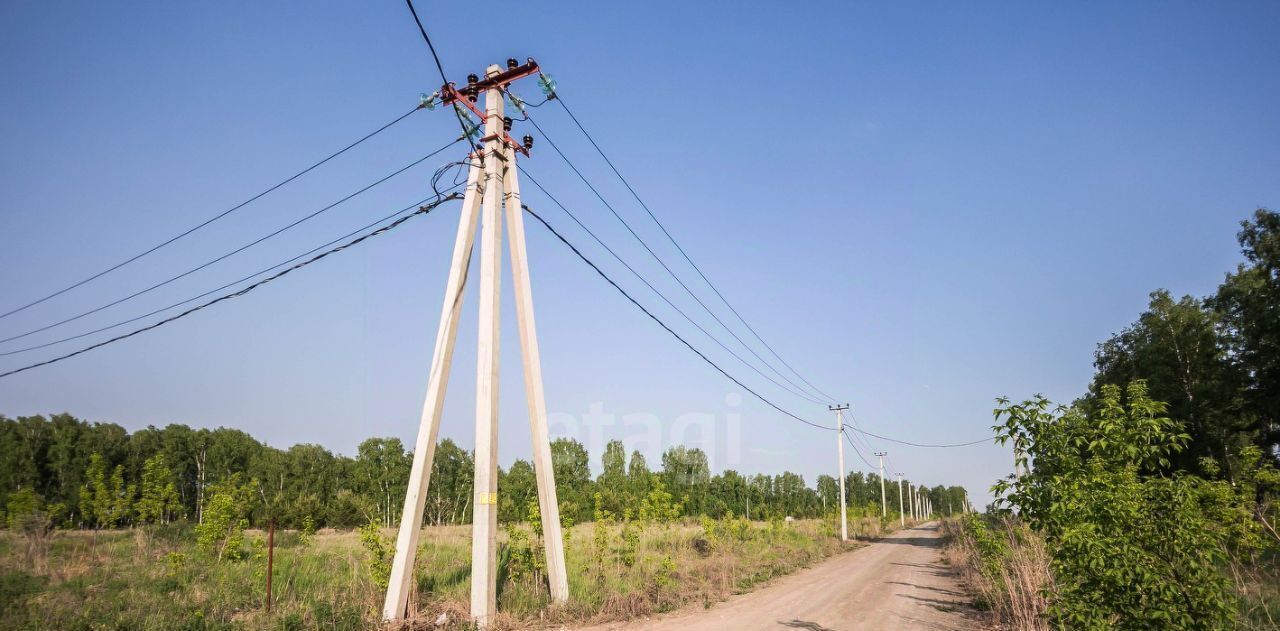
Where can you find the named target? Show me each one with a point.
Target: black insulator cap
(506, 123)
(472, 79)
(528, 141)
(512, 63)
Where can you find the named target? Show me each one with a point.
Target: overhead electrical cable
(853, 420)
(233, 252)
(388, 227)
(445, 80)
(209, 220)
(225, 286)
(682, 251)
(700, 354)
(659, 259)
(930, 445)
(858, 451)
(655, 290)
(662, 324)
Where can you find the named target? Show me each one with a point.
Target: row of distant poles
(492, 195)
(921, 506)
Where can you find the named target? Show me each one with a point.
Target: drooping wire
(682, 251)
(231, 253)
(439, 194)
(388, 227)
(655, 290)
(663, 324)
(209, 220)
(858, 451)
(853, 420)
(930, 445)
(440, 67)
(657, 258)
(702, 356)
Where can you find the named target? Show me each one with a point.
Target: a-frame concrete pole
(429, 426)
(536, 398)
(484, 526)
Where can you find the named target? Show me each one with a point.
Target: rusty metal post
(271, 553)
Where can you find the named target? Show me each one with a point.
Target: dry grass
(1007, 568)
(156, 579)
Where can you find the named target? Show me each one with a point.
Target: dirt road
(897, 583)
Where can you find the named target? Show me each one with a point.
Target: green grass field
(156, 579)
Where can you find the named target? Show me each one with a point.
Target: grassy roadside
(155, 579)
(1008, 569)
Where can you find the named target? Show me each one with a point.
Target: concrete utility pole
(492, 187)
(884, 506)
(911, 500)
(902, 516)
(839, 410)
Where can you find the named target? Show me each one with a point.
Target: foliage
(381, 552)
(658, 506)
(1248, 302)
(629, 541)
(99, 475)
(222, 531)
(103, 580)
(105, 499)
(1131, 548)
(159, 502)
(307, 532)
(22, 503)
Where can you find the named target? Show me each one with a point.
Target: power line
(704, 358)
(655, 290)
(686, 256)
(661, 323)
(931, 445)
(657, 258)
(432, 47)
(209, 220)
(865, 443)
(858, 451)
(231, 253)
(391, 226)
(220, 288)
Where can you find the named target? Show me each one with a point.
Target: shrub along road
(899, 582)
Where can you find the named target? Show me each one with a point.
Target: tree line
(1154, 494)
(98, 475)
(1214, 361)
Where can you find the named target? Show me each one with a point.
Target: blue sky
(921, 207)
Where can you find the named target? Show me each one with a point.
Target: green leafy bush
(1132, 546)
(381, 552)
(222, 531)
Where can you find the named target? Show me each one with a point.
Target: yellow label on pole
(487, 498)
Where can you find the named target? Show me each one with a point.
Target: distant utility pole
(884, 506)
(492, 192)
(911, 500)
(839, 410)
(902, 515)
